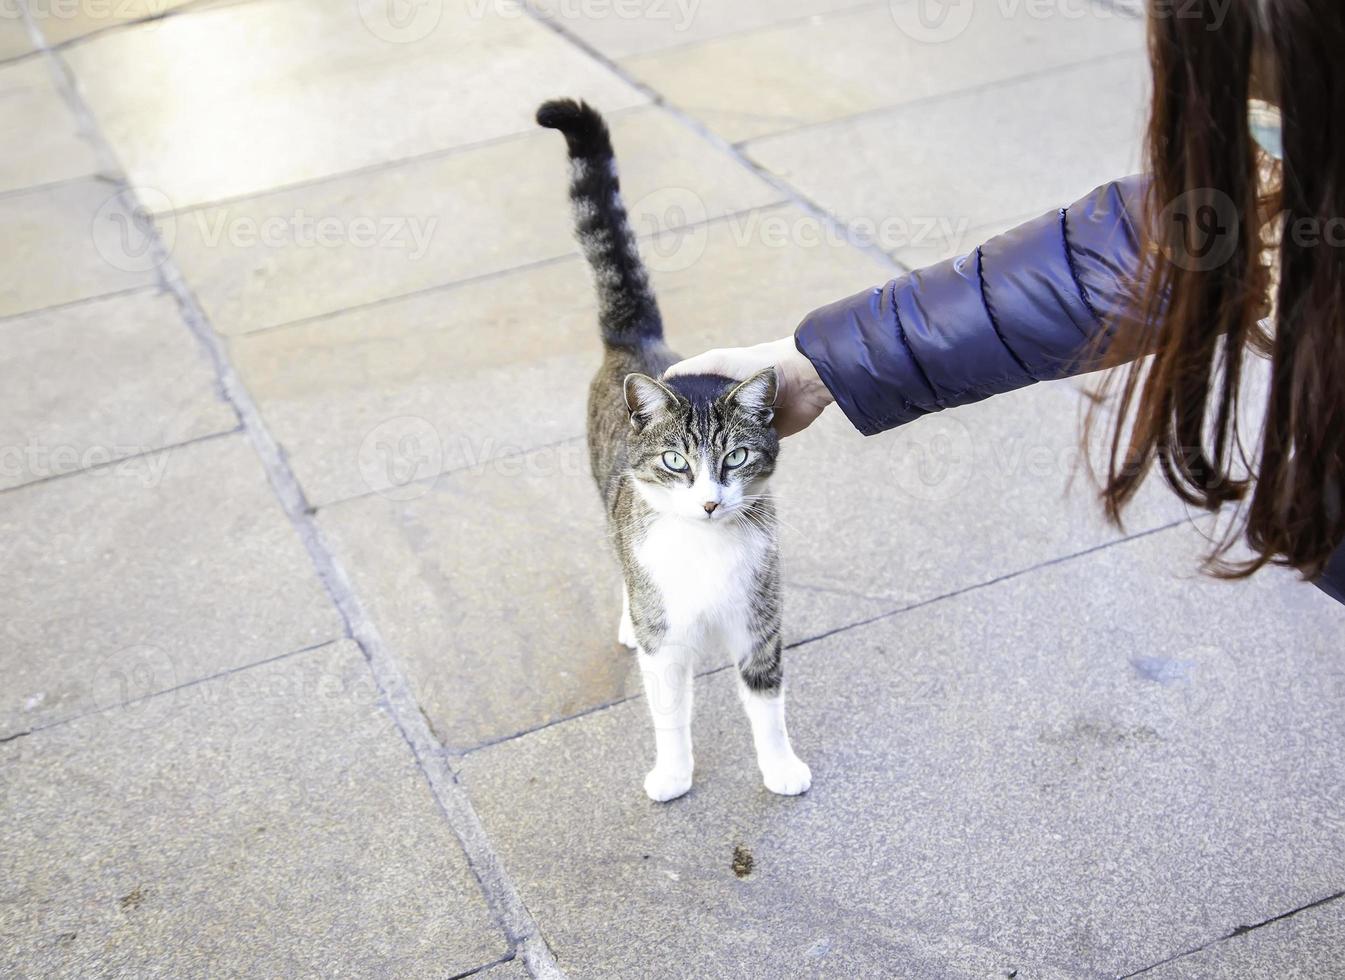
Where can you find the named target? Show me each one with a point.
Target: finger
(711, 362)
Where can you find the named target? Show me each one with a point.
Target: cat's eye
(735, 459)
(675, 462)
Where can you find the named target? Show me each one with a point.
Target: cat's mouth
(722, 514)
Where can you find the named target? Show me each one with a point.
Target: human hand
(801, 395)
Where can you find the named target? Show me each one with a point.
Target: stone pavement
(308, 622)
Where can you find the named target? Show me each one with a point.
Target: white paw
(664, 784)
(788, 776)
(625, 634)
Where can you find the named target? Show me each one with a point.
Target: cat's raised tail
(628, 312)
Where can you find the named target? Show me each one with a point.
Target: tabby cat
(682, 467)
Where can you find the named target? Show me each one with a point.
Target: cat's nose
(710, 506)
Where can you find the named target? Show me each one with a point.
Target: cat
(682, 466)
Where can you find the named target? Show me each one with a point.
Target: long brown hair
(1222, 225)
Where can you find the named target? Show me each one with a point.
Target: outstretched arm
(1024, 307)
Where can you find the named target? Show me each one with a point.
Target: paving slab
(54, 149)
(343, 243)
(69, 242)
(978, 162)
(1078, 772)
(463, 375)
(1305, 946)
(946, 502)
(622, 30)
(100, 381)
(854, 61)
(228, 102)
(144, 575)
(272, 822)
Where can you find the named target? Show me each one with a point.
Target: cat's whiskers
(758, 522)
(775, 518)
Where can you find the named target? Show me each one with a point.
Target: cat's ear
(757, 394)
(646, 398)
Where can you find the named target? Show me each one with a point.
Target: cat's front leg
(668, 671)
(761, 689)
(625, 631)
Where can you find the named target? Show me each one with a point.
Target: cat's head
(701, 446)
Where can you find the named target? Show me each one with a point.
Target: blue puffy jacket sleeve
(1030, 305)
(1023, 307)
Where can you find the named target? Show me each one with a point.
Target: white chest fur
(704, 572)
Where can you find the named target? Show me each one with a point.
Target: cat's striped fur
(682, 467)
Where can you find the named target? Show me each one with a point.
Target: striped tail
(628, 312)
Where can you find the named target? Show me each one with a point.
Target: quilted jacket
(1023, 307)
